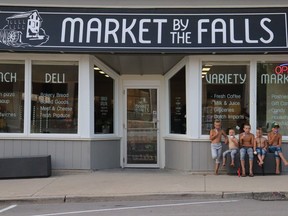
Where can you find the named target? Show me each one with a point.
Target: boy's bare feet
(217, 168)
(260, 163)
(232, 165)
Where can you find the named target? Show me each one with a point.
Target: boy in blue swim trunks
(275, 142)
(261, 145)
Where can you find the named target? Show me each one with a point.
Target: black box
(268, 168)
(25, 167)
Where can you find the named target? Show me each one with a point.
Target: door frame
(140, 84)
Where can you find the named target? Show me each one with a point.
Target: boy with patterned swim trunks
(275, 142)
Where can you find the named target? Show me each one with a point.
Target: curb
(146, 197)
(23, 200)
(261, 196)
(271, 196)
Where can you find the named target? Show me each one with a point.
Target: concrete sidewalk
(70, 186)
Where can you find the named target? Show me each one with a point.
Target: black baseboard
(25, 167)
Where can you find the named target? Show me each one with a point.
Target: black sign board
(170, 31)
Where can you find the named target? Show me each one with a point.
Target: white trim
(27, 97)
(113, 74)
(84, 93)
(194, 113)
(146, 82)
(176, 68)
(182, 63)
(28, 91)
(253, 96)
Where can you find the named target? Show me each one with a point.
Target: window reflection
(54, 101)
(103, 102)
(225, 95)
(272, 96)
(11, 97)
(177, 86)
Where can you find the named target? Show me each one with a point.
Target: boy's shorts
(276, 150)
(261, 151)
(245, 150)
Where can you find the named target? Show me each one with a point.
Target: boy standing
(275, 142)
(247, 145)
(233, 147)
(216, 146)
(261, 145)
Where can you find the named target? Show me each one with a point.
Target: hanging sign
(92, 30)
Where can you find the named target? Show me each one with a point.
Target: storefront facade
(101, 86)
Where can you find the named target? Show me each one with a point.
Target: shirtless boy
(247, 145)
(261, 145)
(275, 142)
(233, 148)
(216, 146)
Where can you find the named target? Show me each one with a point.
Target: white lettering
(8, 77)
(274, 79)
(242, 78)
(176, 25)
(61, 101)
(54, 78)
(142, 30)
(73, 23)
(271, 34)
(112, 31)
(225, 78)
(127, 30)
(222, 30)
(201, 29)
(232, 31)
(247, 32)
(97, 29)
(159, 33)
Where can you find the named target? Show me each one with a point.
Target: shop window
(54, 100)
(103, 102)
(225, 95)
(272, 95)
(177, 85)
(11, 97)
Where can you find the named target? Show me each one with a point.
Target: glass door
(142, 127)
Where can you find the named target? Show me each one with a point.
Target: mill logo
(24, 30)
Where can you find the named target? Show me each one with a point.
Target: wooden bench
(268, 168)
(25, 167)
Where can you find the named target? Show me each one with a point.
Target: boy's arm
(266, 144)
(271, 138)
(212, 135)
(226, 137)
(224, 134)
(280, 140)
(240, 140)
(255, 144)
(235, 141)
